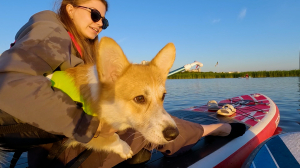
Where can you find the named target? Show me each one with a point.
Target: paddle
(186, 67)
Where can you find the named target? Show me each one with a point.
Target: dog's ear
(111, 62)
(165, 58)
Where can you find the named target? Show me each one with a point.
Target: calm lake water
(284, 91)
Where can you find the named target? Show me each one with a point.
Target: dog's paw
(123, 149)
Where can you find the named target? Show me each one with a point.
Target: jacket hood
(46, 15)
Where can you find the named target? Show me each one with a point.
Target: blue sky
(248, 35)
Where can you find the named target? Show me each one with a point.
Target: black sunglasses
(96, 16)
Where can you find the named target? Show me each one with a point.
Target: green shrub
(254, 74)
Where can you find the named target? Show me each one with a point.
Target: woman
(49, 42)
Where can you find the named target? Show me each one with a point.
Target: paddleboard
(281, 150)
(257, 111)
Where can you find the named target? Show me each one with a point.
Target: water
(284, 91)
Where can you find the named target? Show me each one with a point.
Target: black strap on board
(15, 158)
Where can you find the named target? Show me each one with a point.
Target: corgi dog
(125, 95)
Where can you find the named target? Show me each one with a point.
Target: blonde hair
(88, 46)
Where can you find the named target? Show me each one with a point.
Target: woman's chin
(91, 35)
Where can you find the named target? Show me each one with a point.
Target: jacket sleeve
(26, 93)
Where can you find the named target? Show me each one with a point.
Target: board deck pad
(249, 108)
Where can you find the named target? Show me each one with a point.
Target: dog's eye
(163, 97)
(140, 99)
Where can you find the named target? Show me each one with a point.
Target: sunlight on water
(284, 91)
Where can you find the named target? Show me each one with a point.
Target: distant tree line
(253, 74)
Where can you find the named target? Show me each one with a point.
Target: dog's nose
(170, 133)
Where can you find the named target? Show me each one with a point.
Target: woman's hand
(104, 130)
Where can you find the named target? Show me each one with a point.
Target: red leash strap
(75, 43)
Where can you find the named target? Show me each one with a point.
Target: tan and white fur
(126, 95)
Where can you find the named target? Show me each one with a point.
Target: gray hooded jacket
(42, 46)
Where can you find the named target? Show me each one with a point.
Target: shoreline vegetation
(253, 74)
